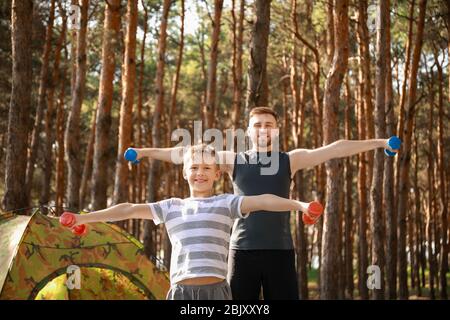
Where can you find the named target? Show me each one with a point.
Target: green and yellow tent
(38, 256)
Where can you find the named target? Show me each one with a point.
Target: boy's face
(262, 129)
(201, 172)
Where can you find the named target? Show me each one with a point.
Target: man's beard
(266, 142)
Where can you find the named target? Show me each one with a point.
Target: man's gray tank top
(261, 230)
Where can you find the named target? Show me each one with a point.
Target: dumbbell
(68, 219)
(315, 210)
(394, 142)
(131, 155)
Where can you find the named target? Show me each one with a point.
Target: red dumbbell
(315, 210)
(68, 219)
(307, 219)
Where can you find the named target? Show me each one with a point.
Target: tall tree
(139, 132)
(211, 87)
(364, 42)
(299, 116)
(176, 76)
(388, 187)
(60, 163)
(50, 113)
(348, 236)
(405, 155)
(72, 134)
(102, 139)
(258, 88)
(376, 196)
(362, 180)
(20, 105)
(156, 125)
(443, 267)
(328, 280)
(87, 166)
(41, 103)
(126, 106)
(238, 40)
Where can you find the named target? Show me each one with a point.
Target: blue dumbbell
(131, 155)
(394, 142)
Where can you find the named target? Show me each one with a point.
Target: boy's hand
(73, 221)
(70, 220)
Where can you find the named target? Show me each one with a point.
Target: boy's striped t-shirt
(199, 230)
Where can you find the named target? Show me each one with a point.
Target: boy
(199, 227)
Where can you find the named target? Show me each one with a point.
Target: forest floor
(413, 292)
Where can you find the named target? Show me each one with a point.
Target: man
(261, 248)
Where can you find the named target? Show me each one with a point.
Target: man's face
(201, 172)
(262, 129)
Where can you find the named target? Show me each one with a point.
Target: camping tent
(38, 257)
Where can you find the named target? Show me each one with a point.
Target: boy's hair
(263, 110)
(197, 152)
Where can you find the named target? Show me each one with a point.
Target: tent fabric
(35, 253)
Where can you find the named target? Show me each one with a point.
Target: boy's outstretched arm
(306, 158)
(270, 202)
(122, 211)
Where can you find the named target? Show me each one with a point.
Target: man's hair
(263, 110)
(197, 152)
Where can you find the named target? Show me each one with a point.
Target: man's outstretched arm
(307, 158)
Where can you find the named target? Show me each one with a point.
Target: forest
(83, 80)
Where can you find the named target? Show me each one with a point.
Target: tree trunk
(331, 32)
(153, 179)
(317, 132)
(87, 167)
(429, 224)
(328, 280)
(171, 124)
(443, 267)
(405, 155)
(60, 172)
(41, 103)
(376, 196)
(72, 135)
(237, 63)
(417, 214)
(348, 236)
(211, 87)
(406, 70)
(50, 116)
(362, 197)
(364, 40)
(102, 139)
(388, 187)
(176, 78)
(299, 116)
(126, 107)
(139, 132)
(20, 105)
(258, 88)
